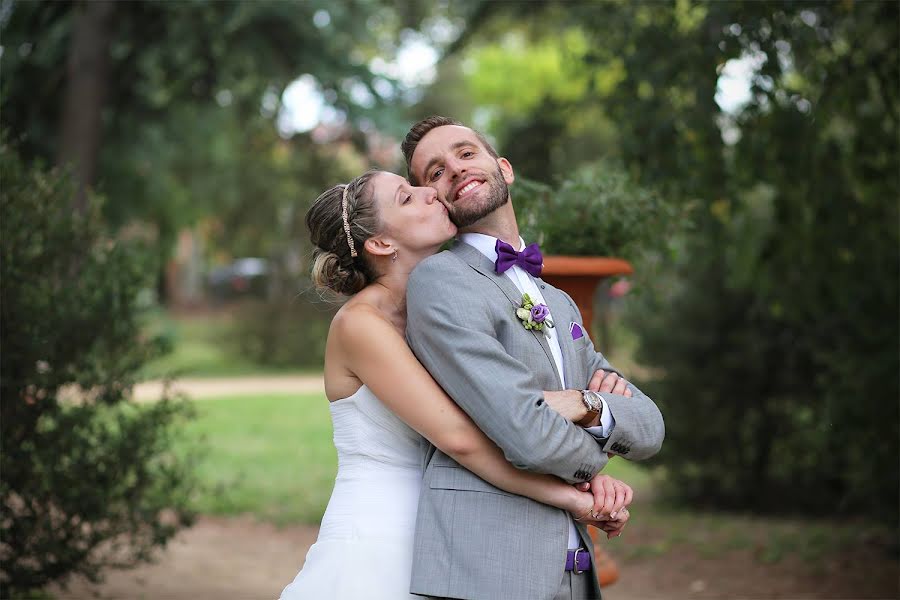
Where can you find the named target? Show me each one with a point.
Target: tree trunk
(87, 73)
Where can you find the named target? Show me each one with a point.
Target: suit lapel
(480, 263)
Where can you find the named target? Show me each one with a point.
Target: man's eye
(436, 174)
(467, 154)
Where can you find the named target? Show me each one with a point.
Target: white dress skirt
(364, 548)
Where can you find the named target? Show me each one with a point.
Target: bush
(283, 332)
(597, 211)
(87, 482)
(778, 339)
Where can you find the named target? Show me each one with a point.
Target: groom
(472, 539)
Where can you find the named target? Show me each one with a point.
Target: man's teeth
(468, 187)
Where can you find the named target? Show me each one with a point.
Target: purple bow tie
(529, 259)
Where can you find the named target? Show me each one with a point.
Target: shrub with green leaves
(87, 480)
(597, 211)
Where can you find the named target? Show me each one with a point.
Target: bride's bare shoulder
(357, 315)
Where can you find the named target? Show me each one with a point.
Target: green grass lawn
(269, 455)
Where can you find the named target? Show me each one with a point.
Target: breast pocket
(583, 343)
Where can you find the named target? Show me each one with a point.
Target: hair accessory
(347, 222)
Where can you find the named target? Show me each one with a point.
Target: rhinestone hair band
(347, 222)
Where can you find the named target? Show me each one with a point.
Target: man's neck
(500, 224)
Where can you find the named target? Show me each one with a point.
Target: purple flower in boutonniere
(539, 313)
(534, 316)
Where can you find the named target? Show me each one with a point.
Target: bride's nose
(430, 195)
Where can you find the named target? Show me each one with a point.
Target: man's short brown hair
(421, 129)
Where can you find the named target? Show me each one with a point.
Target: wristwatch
(593, 402)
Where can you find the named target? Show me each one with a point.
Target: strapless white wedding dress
(365, 543)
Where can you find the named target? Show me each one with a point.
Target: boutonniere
(534, 316)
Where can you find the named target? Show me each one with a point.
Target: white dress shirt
(525, 283)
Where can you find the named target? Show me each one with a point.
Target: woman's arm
(382, 360)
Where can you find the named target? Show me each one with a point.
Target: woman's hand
(609, 496)
(611, 514)
(613, 527)
(567, 403)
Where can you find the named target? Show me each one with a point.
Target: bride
(386, 408)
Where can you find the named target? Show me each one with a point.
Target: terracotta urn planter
(579, 276)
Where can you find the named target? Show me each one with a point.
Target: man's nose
(457, 168)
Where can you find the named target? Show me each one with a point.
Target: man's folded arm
(639, 428)
(636, 428)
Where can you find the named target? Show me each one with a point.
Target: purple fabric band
(584, 560)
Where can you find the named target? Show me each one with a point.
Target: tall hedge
(87, 478)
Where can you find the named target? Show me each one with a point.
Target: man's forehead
(441, 139)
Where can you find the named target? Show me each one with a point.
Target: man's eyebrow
(437, 159)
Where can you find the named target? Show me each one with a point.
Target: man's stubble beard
(498, 195)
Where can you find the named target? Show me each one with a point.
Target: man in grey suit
(472, 539)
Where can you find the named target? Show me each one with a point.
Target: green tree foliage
(89, 481)
(193, 93)
(776, 329)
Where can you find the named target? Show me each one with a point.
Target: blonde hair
(334, 266)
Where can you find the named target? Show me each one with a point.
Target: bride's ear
(378, 246)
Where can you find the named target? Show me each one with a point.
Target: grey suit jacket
(472, 539)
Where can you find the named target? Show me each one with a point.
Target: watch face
(593, 400)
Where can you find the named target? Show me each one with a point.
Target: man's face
(469, 181)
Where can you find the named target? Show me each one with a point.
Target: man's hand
(567, 403)
(607, 381)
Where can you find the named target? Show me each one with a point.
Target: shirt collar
(486, 244)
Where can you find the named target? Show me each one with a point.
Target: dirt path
(200, 388)
(241, 559)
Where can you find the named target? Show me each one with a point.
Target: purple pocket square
(576, 331)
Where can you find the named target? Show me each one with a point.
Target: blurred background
(158, 159)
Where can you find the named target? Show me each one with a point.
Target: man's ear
(379, 246)
(506, 169)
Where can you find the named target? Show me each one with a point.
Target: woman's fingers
(619, 502)
(629, 494)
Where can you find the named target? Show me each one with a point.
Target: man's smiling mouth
(467, 188)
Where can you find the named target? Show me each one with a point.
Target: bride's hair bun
(327, 272)
(334, 266)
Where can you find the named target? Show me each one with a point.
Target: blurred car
(244, 277)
